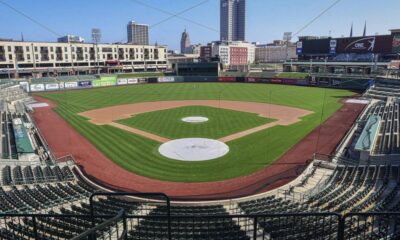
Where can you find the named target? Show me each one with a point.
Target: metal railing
(111, 227)
(253, 227)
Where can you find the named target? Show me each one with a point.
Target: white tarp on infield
(37, 105)
(358, 101)
(195, 119)
(193, 149)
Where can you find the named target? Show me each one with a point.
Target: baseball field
(259, 123)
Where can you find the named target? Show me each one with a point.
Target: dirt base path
(140, 132)
(63, 139)
(283, 114)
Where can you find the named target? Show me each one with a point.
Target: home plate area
(193, 149)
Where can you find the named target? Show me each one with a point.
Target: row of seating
(25, 175)
(201, 227)
(348, 189)
(383, 90)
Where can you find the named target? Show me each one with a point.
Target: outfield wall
(108, 81)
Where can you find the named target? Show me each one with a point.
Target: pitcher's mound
(193, 149)
(195, 119)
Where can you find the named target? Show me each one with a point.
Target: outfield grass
(247, 154)
(294, 75)
(221, 122)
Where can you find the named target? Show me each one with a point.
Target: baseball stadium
(124, 156)
(230, 140)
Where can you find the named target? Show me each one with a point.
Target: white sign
(122, 81)
(333, 43)
(71, 84)
(132, 81)
(299, 44)
(61, 85)
(166, 79)
(37, 87)
(52, 86)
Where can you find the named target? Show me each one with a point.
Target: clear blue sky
(266, 19)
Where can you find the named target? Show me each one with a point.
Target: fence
(252, 227)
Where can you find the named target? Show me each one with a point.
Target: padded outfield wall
(109, 81)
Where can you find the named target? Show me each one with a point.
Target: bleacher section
(387, 140)
(383, 90)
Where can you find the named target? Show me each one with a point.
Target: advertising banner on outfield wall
(104, 82)
(251, 79)
(323, 82)
(264, 80)
(289, 81)
(143, 80)
(302, 82)
(122, 81)
(37, 87)
(85, 84)
(70, 84)
(166, 79)
(133, 81)
(227, 79)
(152, 80)
(276, 80)
(52, 86)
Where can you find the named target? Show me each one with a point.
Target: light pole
(72, 58)
(96, 37)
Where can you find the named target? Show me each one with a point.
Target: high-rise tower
(233, 20)
(138, 34)
(185, 42)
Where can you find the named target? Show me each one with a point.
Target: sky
(266, 19)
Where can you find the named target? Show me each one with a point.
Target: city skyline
(169, 32)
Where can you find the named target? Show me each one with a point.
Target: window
(10, 57)
(66, 56)
(36, 49)
(52, 57)
(51, 49)
(27, 49)
(36, 57)
(28, 57)
(9, 48)
(65, 49)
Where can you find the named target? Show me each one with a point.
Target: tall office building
(138, 34)
(233, 20)
(185, 42)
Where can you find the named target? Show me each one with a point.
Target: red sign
(276, 80)
(227, 79)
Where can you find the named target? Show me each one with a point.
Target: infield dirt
(283, 114)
